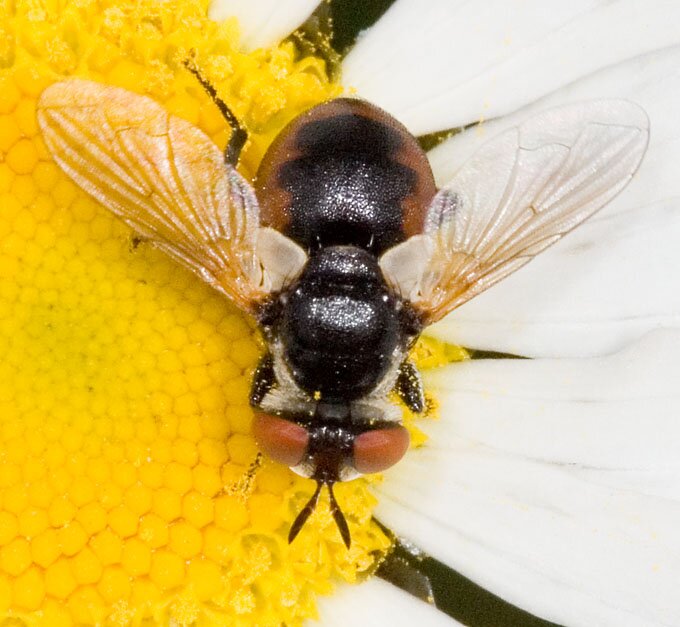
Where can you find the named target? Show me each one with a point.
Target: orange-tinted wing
(168, 181)
(517, 195)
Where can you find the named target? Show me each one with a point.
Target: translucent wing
(168, 181)
(517, 195)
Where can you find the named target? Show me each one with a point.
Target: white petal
(554, 484)
(377, 603)
(615, 277)
(445, 63)
(263, 22)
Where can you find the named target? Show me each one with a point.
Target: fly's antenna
(239, 135)
(307, 510)
(305, 513)
(339, 518)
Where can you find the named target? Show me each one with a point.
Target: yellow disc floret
(131, 489)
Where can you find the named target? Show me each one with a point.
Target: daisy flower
(131, 489)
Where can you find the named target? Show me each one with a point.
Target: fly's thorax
(340, 325)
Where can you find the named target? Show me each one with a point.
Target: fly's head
(328, 447)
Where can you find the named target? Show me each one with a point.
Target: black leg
(409, 387)
(239, 136)
(263, 380)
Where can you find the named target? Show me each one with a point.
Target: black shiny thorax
(340, 325)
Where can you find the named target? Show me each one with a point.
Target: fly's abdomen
(345, 173)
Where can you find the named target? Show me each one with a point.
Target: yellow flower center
(131, 488)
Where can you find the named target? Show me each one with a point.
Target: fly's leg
(264, 380)
(239, 135)
(409, 387)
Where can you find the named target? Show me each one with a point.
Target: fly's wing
(168, 181)
(517, 195)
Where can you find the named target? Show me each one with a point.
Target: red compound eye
(282, 440)
(377, 450)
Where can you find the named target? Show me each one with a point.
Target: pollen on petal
(131, 487)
